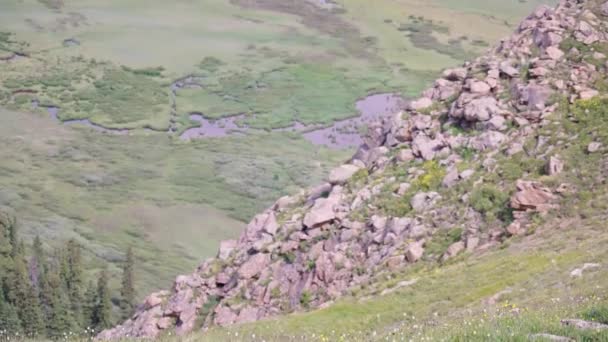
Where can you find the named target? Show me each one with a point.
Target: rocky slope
(426, 185)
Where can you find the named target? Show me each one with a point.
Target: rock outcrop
(309, 249)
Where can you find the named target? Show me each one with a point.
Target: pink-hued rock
(414, 252)
(454, 249)
(481, 109)
(248, 314)
(420, 104)
(480, 87)
(254, 265)
(322, 212)
(226, 248)
(532, 196)
(224, 316)
(342, 174)
(554, 52)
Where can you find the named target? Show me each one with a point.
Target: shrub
(289, 257)
(597, 314)
(442, 240)
(433, 176)
(358, 178)
(466, 153)
(491, 202)
(305, 299)
(311, 265)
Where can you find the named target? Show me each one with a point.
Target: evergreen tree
(9, 224)
(17, 287)
(5, 242)
(60, 320)
(45, 292)
(10, 324)
(89, 306)
(37, 262)
(44, 297)
(103, 310)
(32, 315)
(74, 279)
(127, 291)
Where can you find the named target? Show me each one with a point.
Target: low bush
(491, 202)
(597, 314)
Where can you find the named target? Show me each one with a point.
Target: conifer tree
(45, 293)
(60, 320)
(32, 315)
(37, 262)
(127, 291)
(5, 242)
(89, 306)
(10, 324)
(74, 279)
(103, 310)
(17, 287)
(10, 225)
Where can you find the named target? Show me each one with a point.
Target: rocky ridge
(381, 211)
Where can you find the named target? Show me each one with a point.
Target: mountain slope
(509, 144)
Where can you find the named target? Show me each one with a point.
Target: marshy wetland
(221, 107)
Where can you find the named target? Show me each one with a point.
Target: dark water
(54, 112)
(341, 134)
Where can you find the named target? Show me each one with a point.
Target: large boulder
(506, 68)
(489, 140)
(554, 52)
(424, 200)
(321, 213)
(247, 315)
(425, 147)
(532, 196)
(224, 316)
(265, 222)
(454, 249)
(420, 104)
(254, 265)
(342, 174)
(481, 109)
(535, 96)
(414, 252)
(479, 87)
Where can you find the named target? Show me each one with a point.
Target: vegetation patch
(441, 241)
(491, 202)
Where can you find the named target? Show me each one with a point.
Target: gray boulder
(481, 109)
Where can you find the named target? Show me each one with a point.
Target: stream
(54, 113)
(341, 134)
